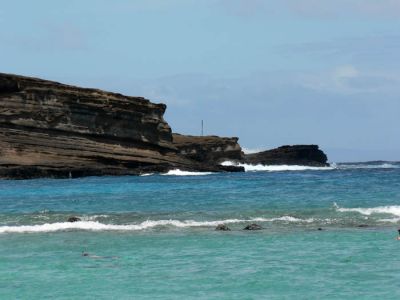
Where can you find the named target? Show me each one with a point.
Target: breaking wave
(97, 226)
(390, 209)
(178, 172)
(275, 168)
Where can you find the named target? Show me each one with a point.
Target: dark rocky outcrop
(253, 227)
(306, 155)
(73, 219)
(222, 227)
(48, 129)
(208, 149)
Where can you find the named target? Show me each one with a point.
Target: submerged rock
(74, 219)
(305, 155)
(222, 227)
(253, 227)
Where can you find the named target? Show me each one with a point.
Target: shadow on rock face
(253, 227)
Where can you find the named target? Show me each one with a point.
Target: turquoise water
(153, 237)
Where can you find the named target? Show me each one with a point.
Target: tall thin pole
(202, 127)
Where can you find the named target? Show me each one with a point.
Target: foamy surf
(274, 168)
(178, 172)
(390, 209)
(97, 226)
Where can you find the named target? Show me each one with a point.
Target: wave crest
(97, 226)
(275, 168)
(390, 209)
(178, 172)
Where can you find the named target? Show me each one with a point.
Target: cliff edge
(49, 129)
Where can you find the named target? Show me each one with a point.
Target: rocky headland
(49, 129)
(210, 149)
(304, 155)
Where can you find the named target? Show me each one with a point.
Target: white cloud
(345, 72)
(347, 79)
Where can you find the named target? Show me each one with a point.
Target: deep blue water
(153, 237)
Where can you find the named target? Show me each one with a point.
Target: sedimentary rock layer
(210, 149)
(48, 129)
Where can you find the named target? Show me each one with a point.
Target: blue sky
(271, 72)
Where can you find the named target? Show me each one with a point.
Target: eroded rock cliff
(48, 129)
(210, 149)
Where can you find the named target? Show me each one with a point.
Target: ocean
(328, 233)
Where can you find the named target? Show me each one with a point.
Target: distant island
(49, 129)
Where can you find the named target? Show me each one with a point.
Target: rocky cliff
(48, 129)
(305, 155)
(211, 149)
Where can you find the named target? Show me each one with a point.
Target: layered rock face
(305, 155)
(48, 129)
(208, 149)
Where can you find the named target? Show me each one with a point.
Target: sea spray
(275, 168)
(390, 209)
(177, 172)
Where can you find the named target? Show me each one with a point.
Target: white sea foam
(274, 168)
(393, 220)
(390, 209)
(93, 217)
(96, 226)
(178, 172)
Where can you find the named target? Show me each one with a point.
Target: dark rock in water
(49, 129)
(231, 168)
(73, 219)
(305, 155)
(319, 228)
(253, 227)
(363, 225)
(222, 227)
